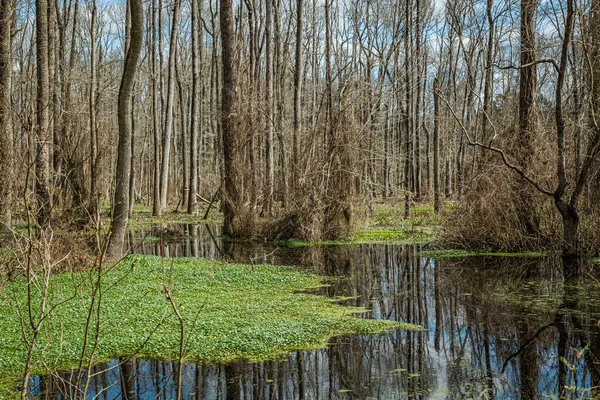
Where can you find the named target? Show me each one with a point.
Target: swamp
(324, 199)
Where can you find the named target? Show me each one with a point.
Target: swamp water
(495, 327)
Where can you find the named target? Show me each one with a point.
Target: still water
(501, 328)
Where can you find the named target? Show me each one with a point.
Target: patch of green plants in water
(448, 253)
(366, 236)
(394, 236)
(535, 298)
(231, 311)
(142, 217)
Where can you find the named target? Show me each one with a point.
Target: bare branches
(497, 150)
(531, 64)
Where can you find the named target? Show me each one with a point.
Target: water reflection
(496, 328)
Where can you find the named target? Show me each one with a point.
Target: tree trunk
(570, 219)
(528, 116)
(123, 167)
(231, 148)
(92, 204)
(6, 144)
(487, 90)
(436, 146)
(156, 110)
(297, 97)
(168, 127)
(42, 157)
(269, 146)
(195, 119)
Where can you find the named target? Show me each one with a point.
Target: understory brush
(488, 218)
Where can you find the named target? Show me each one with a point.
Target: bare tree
(528, 113)
(436, 146)
(93, 113)
(42, 156)
(297, 94)
(196, 117)
(123, 167)
(269, 146)
(168, 127)
(6, 156)
(231, 139)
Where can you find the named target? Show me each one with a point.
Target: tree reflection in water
(499, 326)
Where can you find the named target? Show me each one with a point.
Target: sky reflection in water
(500, 328)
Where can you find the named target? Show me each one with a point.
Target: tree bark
(93, 110)
(6, 143)
(487, 90)
(156, 110)
(436, 146)
(42, 156)
(269, 147)
(231, 148)
(168, 128)
(528, 116)
(196, 118)
(297, 96)
(123, 167)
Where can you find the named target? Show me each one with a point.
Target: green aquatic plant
(230, 311)
(448, 253)
(370, 235)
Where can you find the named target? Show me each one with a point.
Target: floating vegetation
(448, 253)
(231, 311)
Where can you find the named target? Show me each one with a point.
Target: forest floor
(384, 224)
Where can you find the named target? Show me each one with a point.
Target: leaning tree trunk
(6, 150)
(123, 167)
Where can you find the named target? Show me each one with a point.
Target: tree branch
(499, 151)
(536, 62)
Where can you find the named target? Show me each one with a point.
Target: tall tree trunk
(487, 90)
(53, 80)
(408, 113)
(269, 147)
(6, 143)
(196, 117)
(231, 146)
(42, 156)
(156, 110)
(417, 126)
(528, 115)
(123, 167)
(132, 150)
(436, 146)
(297, 96)
(279, 90)
(168, 127)
(92, 110)
(183, 106)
